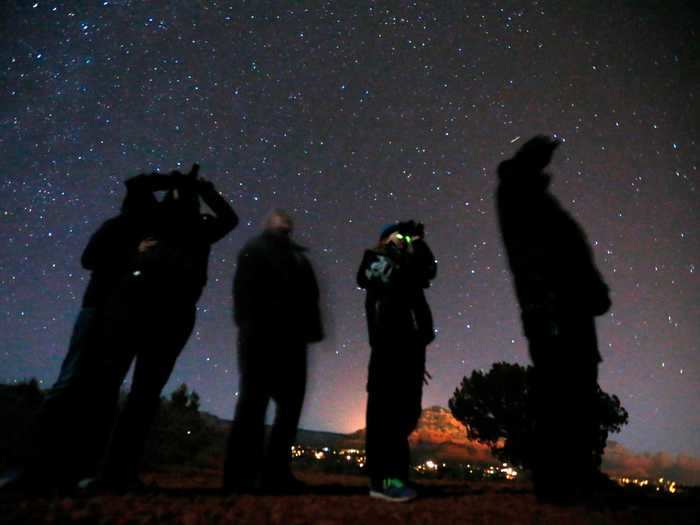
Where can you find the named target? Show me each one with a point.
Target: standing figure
(276, 308)
(400, 325)
(151, 314)
(73, 423)
(560, 292)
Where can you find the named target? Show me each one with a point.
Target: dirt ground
(192, 499)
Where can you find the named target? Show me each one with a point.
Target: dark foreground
(192, 498)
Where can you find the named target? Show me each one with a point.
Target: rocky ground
(192, 498)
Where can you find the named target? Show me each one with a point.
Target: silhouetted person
(150, 315)
(73, 422)
(560, 291)
(400, 324)
(276, 308)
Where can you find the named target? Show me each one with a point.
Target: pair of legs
(271, 368)
(566, 425)
(72, 424)
(394, 395)
(152, 333)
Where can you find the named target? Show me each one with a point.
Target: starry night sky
(351, 115)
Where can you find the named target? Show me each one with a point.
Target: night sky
(352, 115)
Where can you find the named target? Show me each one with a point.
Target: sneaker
(288, 485)
(26, 482)
(114, 486)
(393, 489)
(17, 481)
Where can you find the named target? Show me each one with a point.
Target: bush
(497, 411)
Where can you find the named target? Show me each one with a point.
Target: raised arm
(224, 219)
(423, 263)
(140, 198)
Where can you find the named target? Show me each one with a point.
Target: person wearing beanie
(394, 275)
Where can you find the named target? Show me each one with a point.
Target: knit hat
(387, 230)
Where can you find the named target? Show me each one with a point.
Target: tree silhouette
(495, 407)
(183, 400)
(179, 433)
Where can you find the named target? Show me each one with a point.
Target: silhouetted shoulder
(108, 239)
(425, 265)
(255, 246)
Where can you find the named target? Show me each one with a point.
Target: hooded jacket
(395, 303)
(554, 273)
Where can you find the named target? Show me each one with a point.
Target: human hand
(194, 171)
(146, 244)
(412, 230)
(396, 240)
(537, 152)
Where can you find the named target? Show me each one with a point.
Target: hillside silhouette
(439, 437)
(185, 471)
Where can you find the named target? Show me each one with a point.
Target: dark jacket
(108, 256)
(175, 268)
(275, 292)
(395, 303)
(552, 264)
(110, 252)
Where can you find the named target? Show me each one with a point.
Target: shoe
(114, 486)
(33, 483)
(393, 489)
(18, 481)
(284, 485)
(237, 489)
(88, 484)
(240, 482)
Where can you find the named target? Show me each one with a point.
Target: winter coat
(108, 256)
(395, 303)
(275, 291)
(555, 277)
(110, 252)
(175, 268)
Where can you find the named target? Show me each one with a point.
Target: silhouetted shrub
(179, 433)
(179, 436)
(495, 407)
